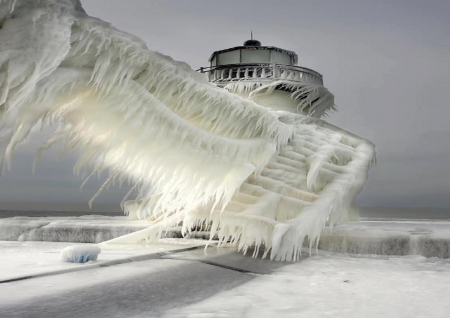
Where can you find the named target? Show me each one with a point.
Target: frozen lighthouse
(261, 170)
(270, 76)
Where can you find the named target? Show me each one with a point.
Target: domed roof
(252, 43)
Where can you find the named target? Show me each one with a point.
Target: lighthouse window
(231, 57)
(281, 58)
(255, 56)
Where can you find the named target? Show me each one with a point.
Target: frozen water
(80, 254)
(196, 154)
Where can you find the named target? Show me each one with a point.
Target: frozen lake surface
(39, 209)
(8, 210)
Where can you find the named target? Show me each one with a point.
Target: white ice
(311, 99)
(196, 154)
(80, 254)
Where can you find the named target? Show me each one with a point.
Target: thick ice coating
(198, 155)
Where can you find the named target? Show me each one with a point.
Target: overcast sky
(387, 63)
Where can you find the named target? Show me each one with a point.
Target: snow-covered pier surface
(220, 283)
(198, 156)
(336, 286)
(25, 260)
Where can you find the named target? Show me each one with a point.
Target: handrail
(261, 71)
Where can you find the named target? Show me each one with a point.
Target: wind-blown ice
(313, 100)
(198, 155)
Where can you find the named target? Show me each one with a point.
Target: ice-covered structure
(198, 156)
(270, 76)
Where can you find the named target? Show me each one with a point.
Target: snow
(335, 285)
(323, 285)
(84, 229)
(196, 154)
(80, 254)
(20, 259)
(41, 290)
(387, 237)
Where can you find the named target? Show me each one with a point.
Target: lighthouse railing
(261, 72)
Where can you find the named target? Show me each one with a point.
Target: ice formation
(198, 155)
(79, 254)
(313, 100)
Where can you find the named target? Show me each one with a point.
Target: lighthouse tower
(270, 76)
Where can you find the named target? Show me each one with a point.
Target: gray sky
(387, 62)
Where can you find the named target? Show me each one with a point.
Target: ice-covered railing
(259, 80)
(224, 74)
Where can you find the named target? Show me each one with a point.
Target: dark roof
(252, 43)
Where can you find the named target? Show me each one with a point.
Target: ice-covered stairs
(309, 183)
(306, 187)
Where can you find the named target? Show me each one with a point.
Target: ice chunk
(79, 253)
